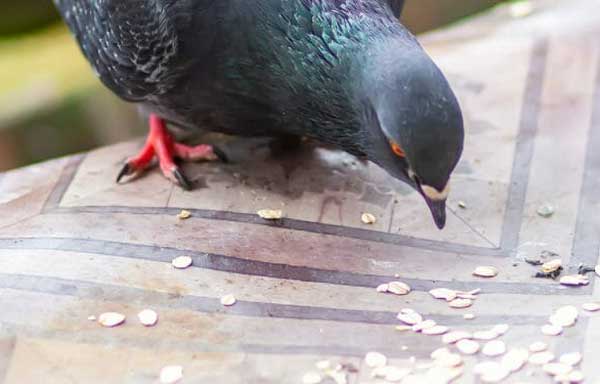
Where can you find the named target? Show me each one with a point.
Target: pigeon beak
(438, 211)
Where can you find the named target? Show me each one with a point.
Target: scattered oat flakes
(551, 266)
(545, 210)
(148, 317)
(461, 303)
(552, 330)
(436, 330)
(182, 262)
(312, 378)
(455, 336)
(423, 325)
(270, 214)
(556, 369)
(375, 360)
(485, 271)
(382, 288)
(541, 358)
(184, 215)
(538, 347)
(591, 307)
(171, 374)
(573, 359)
(468, 347)
(515, 359)
(468, 316)
(443, 293)
(494, 348)
(111, 319)
(410, 317)
(368, 218)
(398, 288)
(574, 280)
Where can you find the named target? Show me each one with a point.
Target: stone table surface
(75, 244)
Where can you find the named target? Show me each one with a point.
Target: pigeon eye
(397, 149)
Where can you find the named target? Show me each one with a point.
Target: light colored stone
(436, 330)
(556, 369)
(382, 288)
(409, 317)
(500, 329)
(469, 316)
(573, 359)
(485, 335)
(515, 359)
(551, 330)
(443, 293)
(171, 374)
(368, 218)
(184, 215)
(455, 336)
(449, 360)
(574, 280)
(423, 325)
(461, 303)
(491, 372)
(538, 346)
(111, 319)
(545, 210)
(541, 358)
(591, 307)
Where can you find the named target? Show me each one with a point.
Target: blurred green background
(52, 105)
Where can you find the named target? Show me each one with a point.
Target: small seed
(485, 271)
(368, 218)
(111, 319)
(462, 204)
(538, 347)
(398, 288)
(270, 214)
(551, 330)
(555, 369)
(515, 359)
(485, 335)
(148, 317)
(182, 262)
(468, 316)
(228, 300)
(572, 359)
(591, 307)
(375, 359)
(551, 266)
(541, 358)
(461, 303)
(494, 348)
(410, 318)
(423, 325)
(500, 329)
(443, 293)
(468, 347)
(453, 337)
(382, 288)
(171, 374)
(436, 330)
(184, 215)
(574, 280)
(311, 378)
(545, 210)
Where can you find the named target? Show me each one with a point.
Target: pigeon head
(415, 124)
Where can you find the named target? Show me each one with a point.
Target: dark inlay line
(116, 293)
(275, 270)
(298, 225)
(64, 181)
(586, 242)
(524, 147)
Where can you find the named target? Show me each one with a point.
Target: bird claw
(182, 180)
(125, 171)
(221, 155)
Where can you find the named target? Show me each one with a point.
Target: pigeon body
(343, 72)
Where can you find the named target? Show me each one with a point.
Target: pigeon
(344, 73)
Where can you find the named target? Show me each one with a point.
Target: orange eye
(397, 150)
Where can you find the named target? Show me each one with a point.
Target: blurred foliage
(26, 15)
